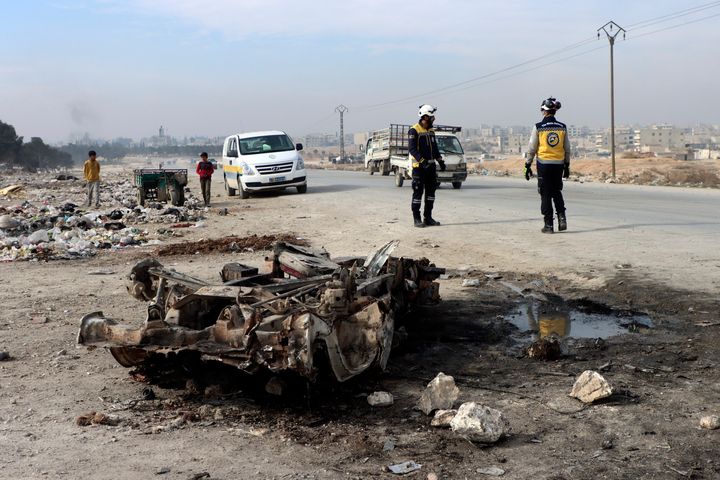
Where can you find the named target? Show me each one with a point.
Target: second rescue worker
(549, 141)
(424, 153)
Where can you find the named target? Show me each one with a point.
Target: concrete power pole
(341, 109)
(612, 30)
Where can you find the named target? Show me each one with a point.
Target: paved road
(668, 235)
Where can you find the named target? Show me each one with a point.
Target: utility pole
(341, 109)
(612, 30)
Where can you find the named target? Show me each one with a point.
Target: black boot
(430, 222)
(562, 222)
(548, 228)
(417, 220)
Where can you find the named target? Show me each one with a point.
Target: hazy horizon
(122, 69)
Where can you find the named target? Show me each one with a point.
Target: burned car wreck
(309, 312)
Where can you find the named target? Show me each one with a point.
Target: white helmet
(426, 109)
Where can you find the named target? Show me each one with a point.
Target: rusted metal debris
(343, 311)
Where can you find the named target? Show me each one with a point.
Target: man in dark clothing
(549, 141)
(205, 170)
(424, 153)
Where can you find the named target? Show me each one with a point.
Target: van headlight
(246, 169)
(462, 166)
(300, 164)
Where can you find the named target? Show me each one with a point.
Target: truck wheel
(244, 194)
(302, 188)
(457, 185)
(230, 191)
(385, 168)
(399, 177)
(371, 168)
(141, 197)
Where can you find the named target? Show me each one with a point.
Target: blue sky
(122, 68)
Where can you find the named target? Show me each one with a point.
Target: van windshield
(449, 145)
(265, 144)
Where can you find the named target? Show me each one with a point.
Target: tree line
(32, 155)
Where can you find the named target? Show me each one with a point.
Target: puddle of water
(548, 320)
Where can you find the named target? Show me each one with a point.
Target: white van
(261, 161)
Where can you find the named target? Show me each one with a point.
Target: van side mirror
(298, 146)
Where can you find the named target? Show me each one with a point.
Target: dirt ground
(639, 171)
(666, 377)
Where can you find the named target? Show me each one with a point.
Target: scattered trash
(405, 467)
(471, 282)
(440, 394)
(443, 418)
(388, 446)
(149, 394)
(96, 418)
(710, 422)
(491, 471)
(9, 190)
(199, 476)
(545, 349)
(4, 356)
(590, 387)
(380, 399)
(479, 423)
(39, 230)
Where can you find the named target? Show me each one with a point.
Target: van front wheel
(302, 188)
(244, 194)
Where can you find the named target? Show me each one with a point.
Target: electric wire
(473, 82)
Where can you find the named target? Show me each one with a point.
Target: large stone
(380, 399)
(590, 387)
(440, 394)
(479, 423)
(443, 418)
(710, 422)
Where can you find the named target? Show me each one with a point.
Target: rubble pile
(50, 226)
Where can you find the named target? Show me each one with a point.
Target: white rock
(443, 418)
(591, 386)
(491, 471)
(710, 422)
(471, 282)
(380, 399)
(440, 394)
(479, 423)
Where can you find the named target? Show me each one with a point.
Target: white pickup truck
(387, 151)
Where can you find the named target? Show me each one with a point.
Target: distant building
(660, 138)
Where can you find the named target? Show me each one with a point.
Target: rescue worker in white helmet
(424, 154)
(549, 142)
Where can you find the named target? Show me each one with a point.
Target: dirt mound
(229, 244)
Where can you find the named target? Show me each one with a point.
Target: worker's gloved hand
(566, 171)
(528, 171)
(442, 164)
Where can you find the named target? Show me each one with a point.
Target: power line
(637, 26)
(672, 16)
(674, 26)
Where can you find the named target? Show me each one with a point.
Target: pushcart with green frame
(161, 185)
